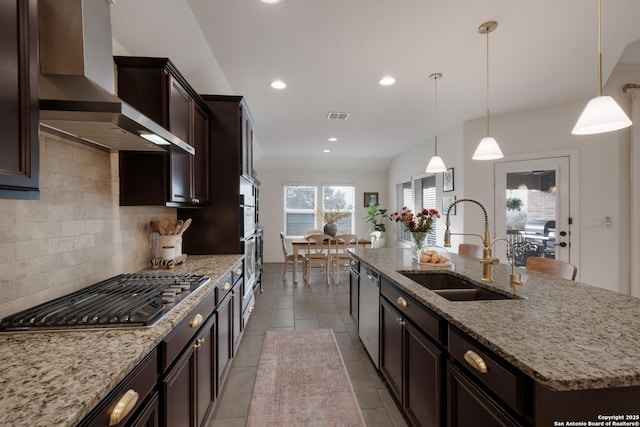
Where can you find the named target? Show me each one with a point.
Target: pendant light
(488, 148)
(436, 165)
(602, 113)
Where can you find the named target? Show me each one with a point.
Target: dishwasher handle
(373, 276)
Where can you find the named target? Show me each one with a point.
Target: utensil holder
(174, 240)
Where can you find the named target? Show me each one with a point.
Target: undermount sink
(455, 288)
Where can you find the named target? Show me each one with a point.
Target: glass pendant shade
(488, 149)
(602, 114)
(436, 165)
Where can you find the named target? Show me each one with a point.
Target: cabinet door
(354, 292)
(180, 125)
(19, 144)
(391, 330)
(236, 297)
(200, 139)
(467, 405)
(178, 389)
(223, 338)
(424, 367)
(205, 371)
(149, 415)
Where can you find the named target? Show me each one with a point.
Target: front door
(533, 208)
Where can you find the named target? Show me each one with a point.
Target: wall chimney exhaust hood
(76, 81)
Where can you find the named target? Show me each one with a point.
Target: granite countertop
(565, 335)
(56, 378)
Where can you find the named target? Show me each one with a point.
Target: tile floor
(283, 305)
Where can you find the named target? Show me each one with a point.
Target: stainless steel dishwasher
(369, 312)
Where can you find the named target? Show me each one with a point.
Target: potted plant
(376, 217)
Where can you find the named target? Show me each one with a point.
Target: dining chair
(318, 254)
(470, 250)
(289, 257)
(340, 256)
(311, 232)
(552, 266)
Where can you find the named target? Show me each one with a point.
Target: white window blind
(300, 203)
(425, 194)
(405, 198)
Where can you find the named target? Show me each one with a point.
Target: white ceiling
(332, 53)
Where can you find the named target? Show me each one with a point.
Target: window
(299, 208)
(422, 195)
(302, 201)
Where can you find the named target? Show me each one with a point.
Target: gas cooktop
(127, 300)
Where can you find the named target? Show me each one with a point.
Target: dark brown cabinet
(19, 145)
(229, 310)
(468, 405)
(176, 178)
(222, 226)
(412, 366)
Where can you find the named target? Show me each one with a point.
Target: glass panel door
(532, 208)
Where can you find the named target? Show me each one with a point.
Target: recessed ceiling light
(278, 84)
(387, 81)
(332, 139)
(271, 1)
(326, 151)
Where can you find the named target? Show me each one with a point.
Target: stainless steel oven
(248, 209)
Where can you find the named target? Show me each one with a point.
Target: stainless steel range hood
(77, 81)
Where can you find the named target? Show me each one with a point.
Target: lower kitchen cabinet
(149, 415)
(468, 405)
(354, 288)
(189, 388)
(412, 366)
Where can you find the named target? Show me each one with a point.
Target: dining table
(300, 243)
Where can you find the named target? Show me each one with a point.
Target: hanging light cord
(599, 48)
(488, 119)
(435, 82)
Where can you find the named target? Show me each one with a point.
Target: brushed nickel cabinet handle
(250, 309)
(476, 361)
(196, 321)
(353, 263)
(198, 343)
(123, 407)
(226, 286)
(402, 302)
(239, 271)
(399, 321)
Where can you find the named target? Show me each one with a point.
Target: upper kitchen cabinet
(19, 144)
(176, 178)
(228, 223)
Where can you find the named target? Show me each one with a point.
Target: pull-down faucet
(488, 260)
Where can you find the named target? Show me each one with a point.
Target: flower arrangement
(333, 215)
(420, 222)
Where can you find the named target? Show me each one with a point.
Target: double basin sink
(455, 288)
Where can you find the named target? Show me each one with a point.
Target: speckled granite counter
(56, 378)
(566, 335)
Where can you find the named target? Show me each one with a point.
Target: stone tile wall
(76, 234)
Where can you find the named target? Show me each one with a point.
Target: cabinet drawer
(139, 384)
(506, 382)
(428, 321)
(175, 342)
(224, 287)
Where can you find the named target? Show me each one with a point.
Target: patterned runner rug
(302, 381)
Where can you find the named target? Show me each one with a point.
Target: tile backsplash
(76, 234)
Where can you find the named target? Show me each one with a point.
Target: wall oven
(248, 211)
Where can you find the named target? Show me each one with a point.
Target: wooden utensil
(178, 226)
(165, 226)
(155, 227)
(186, 225)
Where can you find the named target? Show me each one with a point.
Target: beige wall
(76, 234)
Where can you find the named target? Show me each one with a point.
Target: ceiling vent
(338, 116)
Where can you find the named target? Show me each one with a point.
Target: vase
(331, 228)
(418, 241)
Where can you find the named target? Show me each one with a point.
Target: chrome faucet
(488, 260)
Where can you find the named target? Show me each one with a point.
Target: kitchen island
(57, 378)
(561, 337)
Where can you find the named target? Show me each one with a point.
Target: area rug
(302, 381)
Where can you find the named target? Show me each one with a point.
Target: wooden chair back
(470, 250)
(552, 266)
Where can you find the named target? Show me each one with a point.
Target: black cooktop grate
(136, 299)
